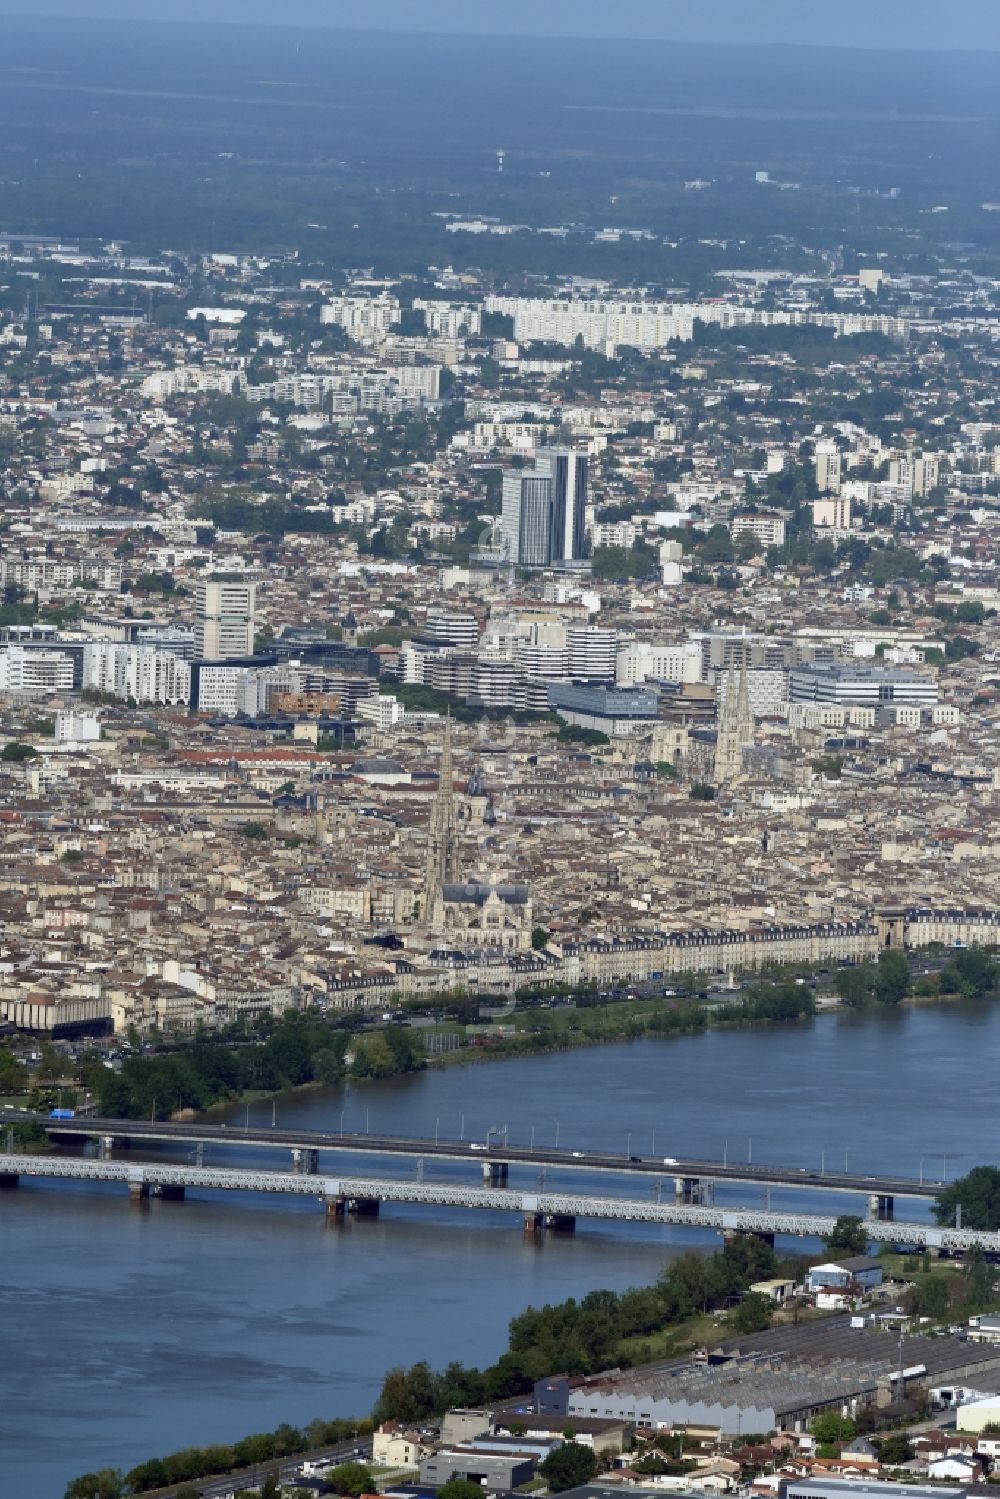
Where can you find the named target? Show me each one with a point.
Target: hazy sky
(971, 24)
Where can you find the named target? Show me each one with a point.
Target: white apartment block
(833, 513)
(601, 325)
(35, 673)
(363, 318)
(644, 660)
(140, 672)
(450, 319)
(615, 534)
(161, 385)
(765, 527)
(231, 690)
(77, 728)
(33, 573)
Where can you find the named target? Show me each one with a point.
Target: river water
(129, 1331)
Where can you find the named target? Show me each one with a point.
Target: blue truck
(62, 1113)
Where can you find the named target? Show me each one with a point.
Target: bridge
(363, 1196)
(693, 1178)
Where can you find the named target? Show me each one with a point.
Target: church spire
(441, 867)
(735, 730)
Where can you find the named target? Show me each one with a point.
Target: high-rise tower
(568, 517)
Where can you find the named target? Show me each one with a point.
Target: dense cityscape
(504, 669)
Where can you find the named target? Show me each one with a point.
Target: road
(284, 1469)
(197, 1132)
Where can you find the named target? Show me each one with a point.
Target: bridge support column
(138, 1191)
(495, 1173)
(689, 1189)
(8, 1181)
(882, 1207)
(364, 1207)
(336, 1208)
(732, 1234)
(172, 1191)
(305, 1161)
(561, 1223)
(534, 1224)
(105, 1146)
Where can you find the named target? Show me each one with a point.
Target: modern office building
(865, 686)
(526, 517)
(543, 518)
(224, 627)
(610, 710)
(567, 519)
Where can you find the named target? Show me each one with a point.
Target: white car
(474, 1146)
(578, 1155)
(670, 1160)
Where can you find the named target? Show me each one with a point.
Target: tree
(568, 1466)
(894, 1449)
(108, 1483)
(16, 753)
(832, 1427)
(892, 977)
(854, 985)
(848, 1236)
(351, 1478)
(460, 1488)
(933, 1297)
(539, 938)
(753, 1313)
(978, 1196)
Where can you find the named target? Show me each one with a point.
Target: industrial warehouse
(780, 1379)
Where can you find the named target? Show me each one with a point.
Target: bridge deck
(198, 1132)
(497, 1199)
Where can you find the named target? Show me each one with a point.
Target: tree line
(580, 1337)
(300, 1048)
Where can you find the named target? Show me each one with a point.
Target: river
(130, 1331)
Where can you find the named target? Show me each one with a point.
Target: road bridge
(495, 1155)
(364, 1195)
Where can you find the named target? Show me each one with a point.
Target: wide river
(134, 1330)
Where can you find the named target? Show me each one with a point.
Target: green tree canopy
(892, 977)
(568, 1466)
(753, 1313)
(460, 1488)
(848, 1236)
(351, 1478)
(977, 1194)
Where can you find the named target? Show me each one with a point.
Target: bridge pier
(690, 1189)
(336, 1208)
(138, 1191)
(561, 1223)
(534, 1223)
(105, 1146)
(364, 1207)
(172, 1191)
(305, 1161)
(495, 1173)
(730, 1236)
(8, 1181)
(882, 1207)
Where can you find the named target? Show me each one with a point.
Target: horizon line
(315, 26)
